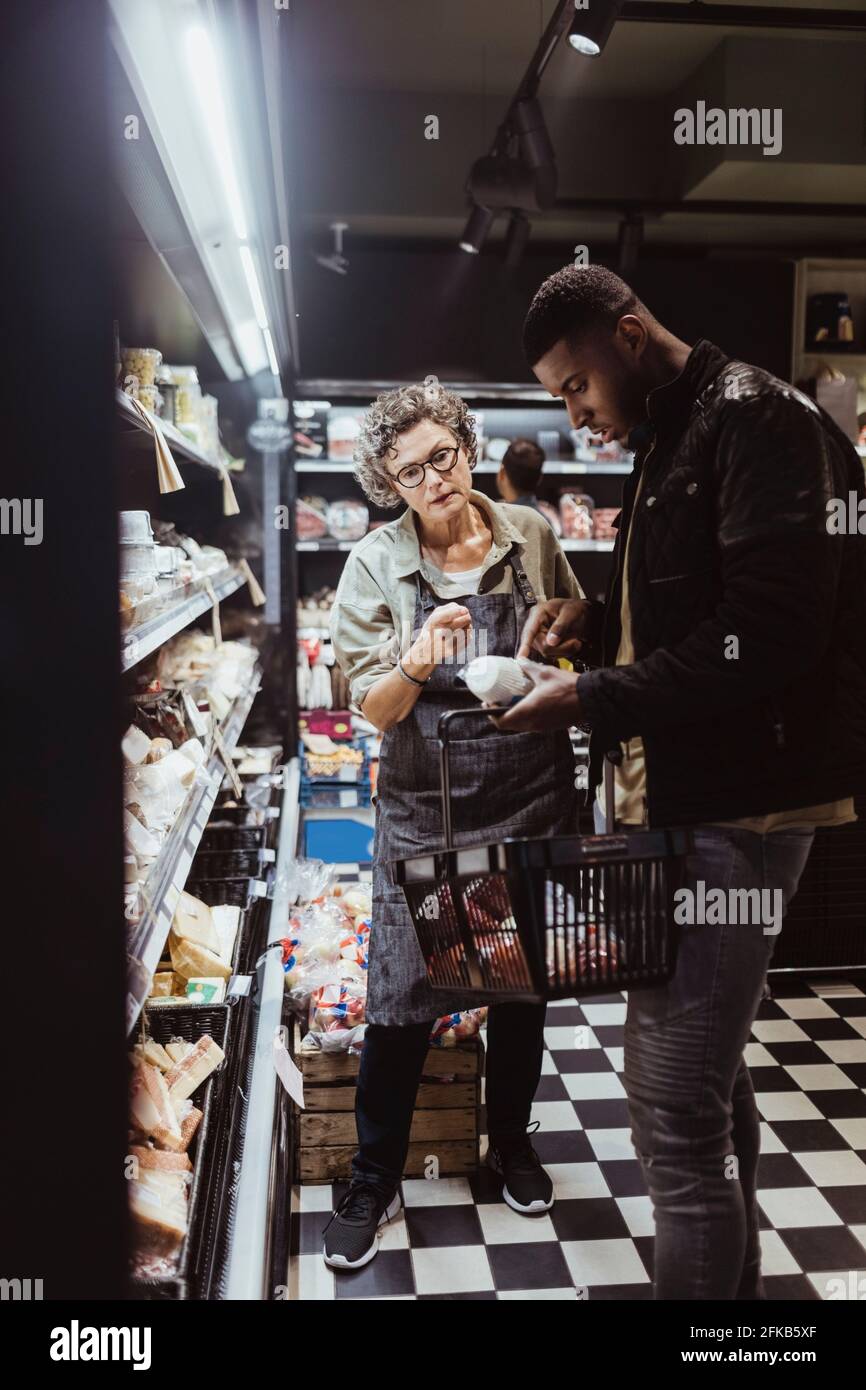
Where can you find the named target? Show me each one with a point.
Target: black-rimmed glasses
(441, 462)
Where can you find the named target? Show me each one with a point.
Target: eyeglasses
(441, 462)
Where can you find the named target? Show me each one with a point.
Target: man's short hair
(523, 461)
(574, 302)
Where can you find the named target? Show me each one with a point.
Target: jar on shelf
(188, 398)
(151, 399)
(141, 363)
(209, 435)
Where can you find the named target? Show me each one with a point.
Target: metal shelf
(177, 441)
(250, 1256)
(140, 641)
(323, 388)
(170, 870)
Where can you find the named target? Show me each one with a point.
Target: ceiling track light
(481, 219)
(592, 25)
(516, 239)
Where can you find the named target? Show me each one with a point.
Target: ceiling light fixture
(591, 26)
(481, 219)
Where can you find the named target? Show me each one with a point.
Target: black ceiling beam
(741, 206)
(741, 16)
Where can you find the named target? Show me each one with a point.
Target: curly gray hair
(394, 412)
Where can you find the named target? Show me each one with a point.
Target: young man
(731, 674)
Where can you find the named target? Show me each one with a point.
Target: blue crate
(340, 840)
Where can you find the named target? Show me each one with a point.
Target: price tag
(197, 721)
(291, 1077)
(215, 612)
(219, 742)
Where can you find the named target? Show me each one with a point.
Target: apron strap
(521, 579)
(527, 593)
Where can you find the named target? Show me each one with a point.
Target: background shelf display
(169, 872)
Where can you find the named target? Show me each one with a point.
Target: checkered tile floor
(456, 1239)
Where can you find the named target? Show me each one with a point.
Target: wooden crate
(445, 1124)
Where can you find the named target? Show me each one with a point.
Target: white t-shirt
(452, 584)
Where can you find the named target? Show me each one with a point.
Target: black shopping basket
(544, 918)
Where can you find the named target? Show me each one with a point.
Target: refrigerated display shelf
(148, 636)
(170, 870)
(139, 435)
(257, 1256)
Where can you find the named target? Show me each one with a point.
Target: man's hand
(553, 704)
(555, 627)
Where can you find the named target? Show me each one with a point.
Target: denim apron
(502, 786)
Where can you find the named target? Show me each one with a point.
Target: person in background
(519, 476)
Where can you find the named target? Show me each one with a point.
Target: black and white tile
(456, 1238)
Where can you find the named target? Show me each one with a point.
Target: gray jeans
(695, 1124)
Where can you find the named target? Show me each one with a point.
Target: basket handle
(443, 729)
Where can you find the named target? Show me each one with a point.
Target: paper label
(219, 743)
(288, 1073)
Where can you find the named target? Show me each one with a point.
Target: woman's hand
(441, 639)
(555, 627)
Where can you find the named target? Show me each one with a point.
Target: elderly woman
(453, 568)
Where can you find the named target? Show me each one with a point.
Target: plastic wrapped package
(454, 1028)
(311, 518)
(347, 519)
(576, 512)
(306, 879)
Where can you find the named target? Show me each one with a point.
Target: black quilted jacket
(731, 553)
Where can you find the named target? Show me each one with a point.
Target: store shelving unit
(137, 433)
(815, 276)
(258, 1252)
(169, 872)
(190, 604)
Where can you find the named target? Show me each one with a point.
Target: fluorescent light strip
(254, 287)
(272, 356)
(208, 86)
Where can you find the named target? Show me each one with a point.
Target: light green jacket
(373, 613)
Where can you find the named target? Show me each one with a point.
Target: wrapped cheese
(178, 1050)
(146, 1157)
(167, 1127)
(162, 985)
(155, 1054)
(193, 923)
(158, 1205)
(196, 1067)
(135, 745)
(192, 961)
(188, 1119)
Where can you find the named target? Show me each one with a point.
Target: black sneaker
(526, 1187)
(350, 1235)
